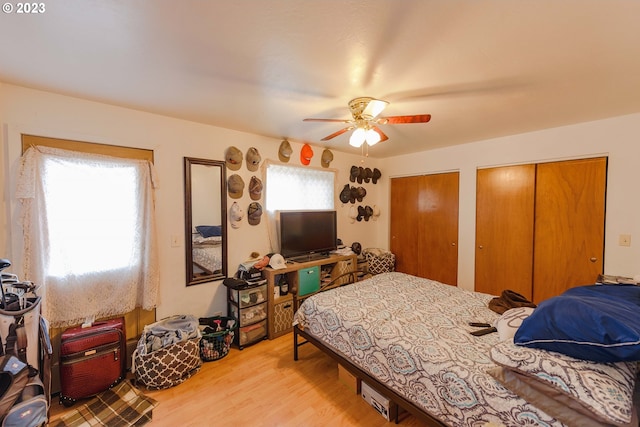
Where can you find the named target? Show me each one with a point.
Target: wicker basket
(215, 345)
(379, 260)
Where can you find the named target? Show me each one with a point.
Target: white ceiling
(481, 68)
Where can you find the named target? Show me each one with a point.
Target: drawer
(250, 314)
(252, 333)
(308, 280)
(249, 297)
(283, 317)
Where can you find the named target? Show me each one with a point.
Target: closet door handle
(480, 247)
(593, 259)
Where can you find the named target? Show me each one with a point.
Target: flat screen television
(307, 234)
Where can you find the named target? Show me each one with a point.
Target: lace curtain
(89, 233)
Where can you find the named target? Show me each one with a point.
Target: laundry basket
(379, 260)
(160, 361)
(217, 337)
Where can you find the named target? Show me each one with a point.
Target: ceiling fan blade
(327, 120)
(383, 136)
(396, 120)
(338, 133)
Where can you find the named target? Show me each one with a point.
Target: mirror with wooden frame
(205, 209)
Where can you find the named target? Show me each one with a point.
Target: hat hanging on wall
(376, 212)
(284, 152)
(375, 175)
(327, 158)
(306, 153)
(353, 213)
(254, 212)
(368, 212)
(255, 188)
(368, 174)
(353, 194)
(253, 159)
(233, 158)
(235, 186)
(353, 173)
(235, 215)
(345, 194)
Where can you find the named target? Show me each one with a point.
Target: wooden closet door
(438, 204)
(569, 229)
(424, 226)
(505, 199)
(403, 225)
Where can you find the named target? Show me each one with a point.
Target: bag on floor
(20, 330)
(168, 352)
(92, 359)
(32, 407)
(14, 375)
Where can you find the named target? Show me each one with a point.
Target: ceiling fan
(365, 121)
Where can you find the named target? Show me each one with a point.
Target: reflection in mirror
(205, 208)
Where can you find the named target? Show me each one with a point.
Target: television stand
(280, 307)
(309, 257)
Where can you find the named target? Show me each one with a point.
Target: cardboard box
(380, 403)
(348, 379)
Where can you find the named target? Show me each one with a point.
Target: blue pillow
(209, 230)
(597, 322)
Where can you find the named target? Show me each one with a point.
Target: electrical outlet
(624, 240)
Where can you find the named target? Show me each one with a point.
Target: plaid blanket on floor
(123, 405)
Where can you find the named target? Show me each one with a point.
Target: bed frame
(402, 402)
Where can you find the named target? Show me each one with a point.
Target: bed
(207, 254)
(410, 339)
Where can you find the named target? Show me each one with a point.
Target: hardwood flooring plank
(262, 386)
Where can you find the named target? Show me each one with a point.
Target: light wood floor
(262, 386)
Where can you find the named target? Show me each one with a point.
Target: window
(95, 232)
(298, 188)
(295, 188)
(89, 232)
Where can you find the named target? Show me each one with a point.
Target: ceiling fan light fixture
(358, 137)
(372, 137)
(365, 120)
(374, 107)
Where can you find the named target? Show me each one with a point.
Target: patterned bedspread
(412, 334)
(208, 257)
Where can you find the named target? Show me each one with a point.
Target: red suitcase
(92, 359)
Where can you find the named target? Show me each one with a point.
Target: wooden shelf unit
(280, 308)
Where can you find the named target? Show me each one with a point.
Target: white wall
(618, 138)
(41, 113)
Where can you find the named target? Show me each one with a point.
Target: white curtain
(91, 248)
